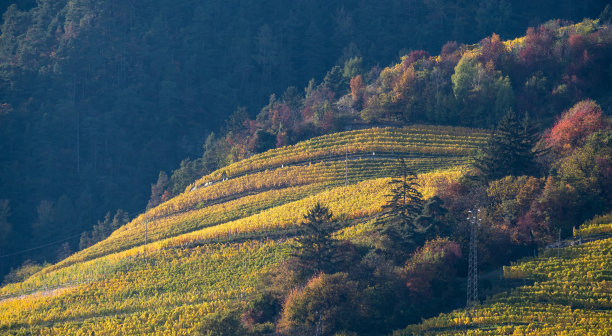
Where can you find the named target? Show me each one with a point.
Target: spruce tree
(404, 206)
(431, 219)
(406, 201)
(317, 251)
(509, 150)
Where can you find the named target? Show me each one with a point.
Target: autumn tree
(491, 50)
(158, 189)
(326, 305)
(357, 90)
(431, 267)
(575, 125)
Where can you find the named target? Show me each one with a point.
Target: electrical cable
(40, 246)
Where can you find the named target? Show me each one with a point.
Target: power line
(346, 165)
(40, 246)
(472, 282)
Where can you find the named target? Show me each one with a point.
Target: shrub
(327, 303)
(222, 323)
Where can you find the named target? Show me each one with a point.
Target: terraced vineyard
(206, 247)
(230, 199)
(417, 141)
(599, 226)
(181, 284)
(572, 295)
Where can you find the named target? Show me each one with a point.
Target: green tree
(431, 219)
(188, 172)
(335, 81)
(353, 67)
(406, 201)
(466, 76)
(404, 206)
(317, 252)
(509, 150)
(5, 225)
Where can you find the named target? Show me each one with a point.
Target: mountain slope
(206, 247)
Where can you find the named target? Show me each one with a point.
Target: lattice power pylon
(472, 279)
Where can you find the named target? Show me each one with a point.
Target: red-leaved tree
(575, 125)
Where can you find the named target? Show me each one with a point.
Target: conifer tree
(406, 201)
(404, 206)
(509, 150)
(317, 248)
(430, 219)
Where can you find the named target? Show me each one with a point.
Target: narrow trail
(45, 291)
(576, 242)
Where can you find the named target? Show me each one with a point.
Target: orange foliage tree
(575, 125)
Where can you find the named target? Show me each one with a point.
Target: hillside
(571, 294)
(207, 246)
(335, 212)
(98, 97)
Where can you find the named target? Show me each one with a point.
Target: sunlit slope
(417, 141)
(207, 246)
(364, 154)
(572, 295)
(182, 278)
(168, 292)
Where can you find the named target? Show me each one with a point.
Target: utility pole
(346, 165)
(559, 245)
(472, 281)
(146, 234)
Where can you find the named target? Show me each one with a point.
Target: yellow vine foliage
(572, 295)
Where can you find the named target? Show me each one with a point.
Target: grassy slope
(208, 245)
